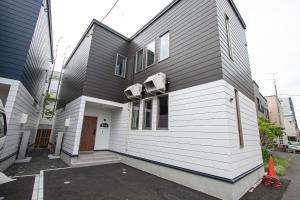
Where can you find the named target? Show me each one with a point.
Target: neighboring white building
(289, 118)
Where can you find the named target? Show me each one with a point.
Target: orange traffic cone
(271, 179)
(271, 169)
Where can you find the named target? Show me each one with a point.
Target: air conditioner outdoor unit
(134, 91)
(156, 83)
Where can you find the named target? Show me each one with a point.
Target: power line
(110, 10)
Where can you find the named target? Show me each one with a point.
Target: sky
(273, 34)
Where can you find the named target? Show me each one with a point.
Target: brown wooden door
(42, 138)
(88, 134)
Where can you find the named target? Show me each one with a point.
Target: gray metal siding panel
(74, 76)
(17, 23)
(195, 56)
(101, 82)
(236, 72)
(38, 59)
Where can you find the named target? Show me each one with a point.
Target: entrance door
(88, 134)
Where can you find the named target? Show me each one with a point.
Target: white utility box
(134, 91)
(156, 83)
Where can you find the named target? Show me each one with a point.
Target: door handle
(94, 132)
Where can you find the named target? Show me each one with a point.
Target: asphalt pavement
(293, 174)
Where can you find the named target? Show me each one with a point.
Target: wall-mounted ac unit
(134, 91)
(156, 83)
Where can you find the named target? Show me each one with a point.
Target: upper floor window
(120, 69)
(164, 46)
(163, 112)
(229, 39)
(150, 54)
(139, 60)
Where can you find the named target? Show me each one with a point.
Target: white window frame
(136, 59)
(147, 54)
(125, 67)
(144, 114)
(160, 59)
(138, 115)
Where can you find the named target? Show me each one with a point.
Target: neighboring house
(200, 131)
(261, 102)
(25, 61)
(48, 115)
(289, 118)
(276, 116)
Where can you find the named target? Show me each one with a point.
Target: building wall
(101, 81)
(17, 21)
(25, 46)
(19, 101)
(75, 112)
(236, 72)
(202, 134)
(194, 45)
(74, 75)
(275, 111)
(39, 57)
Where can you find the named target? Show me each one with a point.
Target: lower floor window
(163, 112)
(135, 115)
(147, 114)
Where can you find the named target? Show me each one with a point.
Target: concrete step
(94, 162)
(97, 157)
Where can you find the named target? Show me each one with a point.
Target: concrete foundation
(6, 163)
(213, 187)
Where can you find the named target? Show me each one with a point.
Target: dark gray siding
(101, 82)
(38, 60)
(17, 23)
(195, 56)
(236, 72)
(75, 73)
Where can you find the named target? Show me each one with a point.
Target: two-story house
(175, 99)
(25, 60)
(261, 102)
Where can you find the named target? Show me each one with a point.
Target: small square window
(120, 69)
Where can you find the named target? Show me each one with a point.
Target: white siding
(248, 157)
(75, 111)
(19, 101)
(202, 134)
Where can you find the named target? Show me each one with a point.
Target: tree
(48, 111)
(268, 132)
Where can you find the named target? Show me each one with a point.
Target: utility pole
(274, 82)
